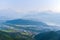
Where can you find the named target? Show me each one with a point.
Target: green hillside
(14, 36)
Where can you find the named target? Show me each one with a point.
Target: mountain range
(45, 16)
(26, 25)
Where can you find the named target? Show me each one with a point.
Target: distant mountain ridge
(46, 16)
(25, 22)
(29, 25)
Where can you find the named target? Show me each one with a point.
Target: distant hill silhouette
(24, 22)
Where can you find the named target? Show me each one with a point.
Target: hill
(24, 22)
(13, 36)
(50, 35)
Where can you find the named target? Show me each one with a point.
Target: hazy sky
(30, 5)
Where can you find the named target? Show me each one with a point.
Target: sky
(30, 5)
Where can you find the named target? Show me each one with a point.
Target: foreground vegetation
(14, 36)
